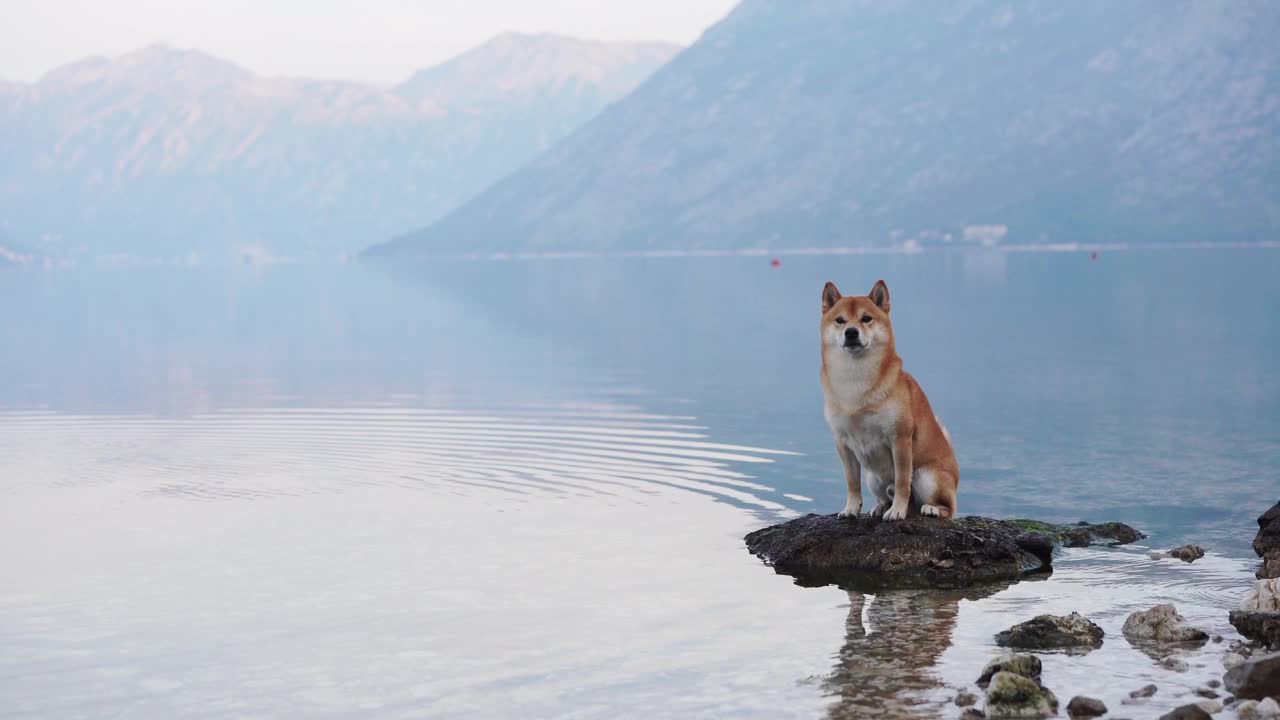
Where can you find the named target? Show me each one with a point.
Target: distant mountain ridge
(879, 123)
(167, 152)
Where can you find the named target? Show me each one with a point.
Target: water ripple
(258, 453)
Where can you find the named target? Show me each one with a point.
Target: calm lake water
(519, 489)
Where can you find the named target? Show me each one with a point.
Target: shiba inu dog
(882, 422)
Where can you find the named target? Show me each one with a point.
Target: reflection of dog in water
(892, 643)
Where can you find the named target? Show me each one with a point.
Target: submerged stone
(1024, 664)
(868, 553)
(1053, 631)
(1085, 707)
(1187, 553)
(1014, 696)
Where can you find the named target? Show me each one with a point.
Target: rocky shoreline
(866, 554)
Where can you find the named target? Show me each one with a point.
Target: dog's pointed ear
(830, 295)
(880, 295)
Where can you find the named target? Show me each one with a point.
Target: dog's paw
(879, 510)
(896, 513)
(933, 511)
(850, 511)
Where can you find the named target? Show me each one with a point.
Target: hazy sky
(377, 40)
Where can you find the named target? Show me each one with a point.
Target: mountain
(167, 152)
(884, 122)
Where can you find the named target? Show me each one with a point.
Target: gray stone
(1053, 631)
(1014, 696)
(1085, 707)
(1255, 678)
(965, 699)
(1268, 708)
(1174, 664)
(973, 714)
(1161, 623)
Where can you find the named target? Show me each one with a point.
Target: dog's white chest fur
(870, 436)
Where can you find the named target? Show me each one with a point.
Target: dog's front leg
(901, 476)
(852, 479)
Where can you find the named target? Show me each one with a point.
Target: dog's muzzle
(852, 341)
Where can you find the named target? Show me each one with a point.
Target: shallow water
(500, 489)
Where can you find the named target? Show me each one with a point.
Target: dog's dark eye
(840, 321)
(866, 319)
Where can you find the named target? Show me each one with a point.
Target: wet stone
(1260, 627)
(1268, 537)
(1145, 691)
(1014, 696)
(1161, 623)
(1026, 665)
(1255, 678)
(1205, 692)
(1187, 712)
(1085, 707)
(1053, 631)
(1187, 553)
(868, 554)
(965, 699)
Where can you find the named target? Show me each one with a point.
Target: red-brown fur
(882, 422)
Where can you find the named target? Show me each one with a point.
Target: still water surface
(518, 489)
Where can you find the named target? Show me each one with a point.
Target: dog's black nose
(851, 335)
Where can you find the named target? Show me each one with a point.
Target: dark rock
(1268, 537)
(965, 699)
(1145, 691)
(1014, 696)
(1187, 712)
(1270, 568)
(1187, 553)
(1260, 627)
(1175, 664)
(1085, 707)
(1026, 665)
(973, 714)
(1255, 678)
(1161, 624)
(867, 554)
(1052, 631)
